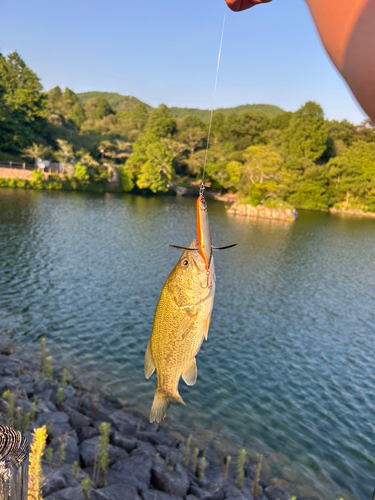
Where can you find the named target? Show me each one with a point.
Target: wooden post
(14, 461)
(23, 166)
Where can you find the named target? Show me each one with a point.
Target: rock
(76, 419)
(145, 448)
(137, 468)
(159, 495)
(130, 423)
(163, 450)
(213, 475)
(87, 433)
(57, 421)
(126, 443)
(191, 497)
(89, 448)
(8, 383)
(69, 392)
(44, 395)
(251, 473)
(70, 478)
(54, 480)
(155, 438)
(114, 477)
(196, 491)
(71, 450)
(115, 492)
(67, 494)
(276, 492)
(262, 212)
(173, 457)
(175, 481)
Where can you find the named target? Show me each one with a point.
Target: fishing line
(213, 98)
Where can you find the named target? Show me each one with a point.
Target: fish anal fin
(189, 375)
(149, 364)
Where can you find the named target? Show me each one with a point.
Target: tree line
(298, 159)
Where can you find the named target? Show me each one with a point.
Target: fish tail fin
(159, 407)
(161, 404)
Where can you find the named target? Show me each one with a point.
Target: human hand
(238, 5)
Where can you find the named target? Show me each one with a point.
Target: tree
(192, 133)
(65, 155)
(150, 163)
(81, 174)
(262, 169)
(156, 173)
(306, 135)
(97, 108)
(161, 123)
(37, 152)
(23, 105)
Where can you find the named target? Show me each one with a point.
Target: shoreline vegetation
(105, 142)
(97, 447)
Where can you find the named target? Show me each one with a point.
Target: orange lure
(204, 236)
(203, 230)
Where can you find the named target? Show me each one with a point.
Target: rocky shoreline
(262, 212)
(356, 213)
(146, 461)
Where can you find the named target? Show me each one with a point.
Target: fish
(180, 325)
(182, 317)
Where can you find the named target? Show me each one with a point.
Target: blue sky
(166, 52)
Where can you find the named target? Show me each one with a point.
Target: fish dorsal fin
(149, 365)
(190, 373)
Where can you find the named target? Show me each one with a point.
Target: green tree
(161, 123)
(23, 105)
(77, 114)
(81, 174)
(306, 136)
(156, 172)
(97, 108)
(37, 152)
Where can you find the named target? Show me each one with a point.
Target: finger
(238, 5)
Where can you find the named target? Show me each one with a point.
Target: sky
(166, 52)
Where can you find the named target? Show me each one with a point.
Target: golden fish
(181, 322)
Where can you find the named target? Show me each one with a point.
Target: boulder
(251, 473)
(115, 492)
(175, 482)
(159, 495)
(87, 433)
(67, 494)
(126, 443)
(88, 450)
(54, 480)
(58, 423)
(137, 468)
(276, 492)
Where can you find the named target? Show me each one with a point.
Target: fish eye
(184, 263)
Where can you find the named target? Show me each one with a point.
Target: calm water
(288, 368)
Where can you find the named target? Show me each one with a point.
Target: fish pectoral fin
(149, 364)
(184, 326)
(190, 373)
(225, 248)
(207, 326)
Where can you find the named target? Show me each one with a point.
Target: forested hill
(204, 114)
(120, 102)
(117, 102)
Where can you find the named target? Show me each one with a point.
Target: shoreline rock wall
(146, 461)
(261, 212)
(356, 213)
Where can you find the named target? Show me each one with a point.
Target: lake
(288, 369)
